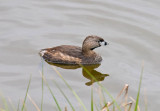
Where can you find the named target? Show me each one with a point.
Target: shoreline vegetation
(123, 102)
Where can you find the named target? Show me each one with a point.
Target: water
(131, 28)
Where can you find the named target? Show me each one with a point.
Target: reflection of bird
(96, 76)
(67, 54)
(90, 68)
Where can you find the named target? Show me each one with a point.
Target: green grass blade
(25, 108)
(140, 82)
(64, 95)
(42, 96)
(104, 99)
(96, 107)
(13, 107)
(100, 96)
(5, 103)
(145, 102)
(113, 108)
(52, 94)
(18, 105)
(42, 85)
(118, 107)
(92, 98)
(26, 94)
(74, 93)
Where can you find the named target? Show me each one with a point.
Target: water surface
(131, 28)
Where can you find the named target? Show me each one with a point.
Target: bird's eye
(101, 40)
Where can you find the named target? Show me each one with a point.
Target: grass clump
(23, 106)
(121, 103)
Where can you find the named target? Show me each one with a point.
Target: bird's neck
(88, 52)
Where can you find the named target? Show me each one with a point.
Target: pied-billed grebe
(67, 54)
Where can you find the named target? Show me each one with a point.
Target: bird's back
(64, 54)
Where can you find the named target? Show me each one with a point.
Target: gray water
(131, 28)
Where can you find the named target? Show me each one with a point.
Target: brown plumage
(67, 54)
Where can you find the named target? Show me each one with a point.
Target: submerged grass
(145, 101)
(74, 93)
(18, 105)
(13, 107)
(137, 100)
(92, 98)
(5, 104)
(123, 106)
(59, 108)
(42, 85)
(26, 94)
(73, 109)
(33, 102)
(96, 106)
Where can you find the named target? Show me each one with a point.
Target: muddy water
(131, 28)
